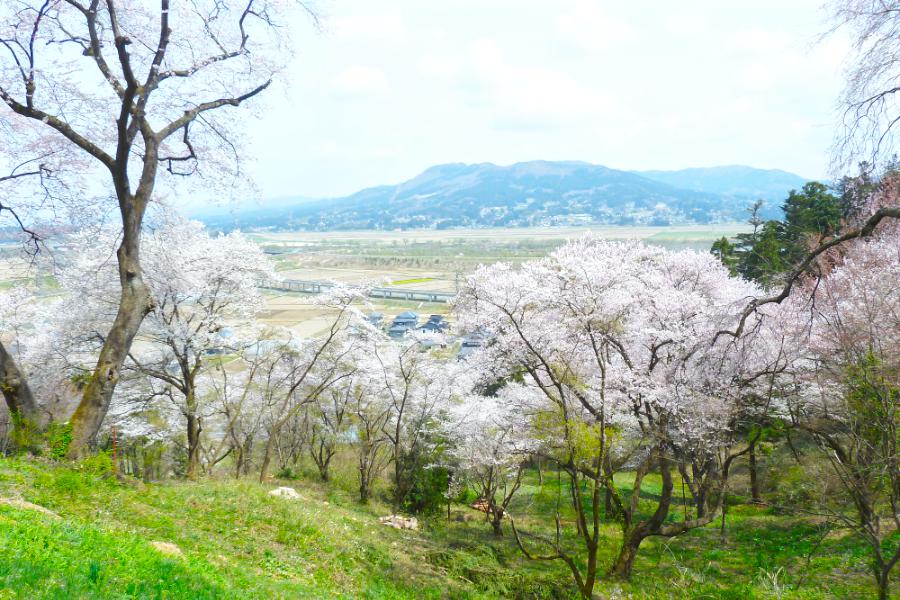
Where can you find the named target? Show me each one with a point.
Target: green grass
(238, 542)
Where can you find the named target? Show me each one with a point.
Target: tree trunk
(496, 527)
(134, 304)
(724, 503)
(267, 458)
(322, 458)
(701, 502)
(497, 520)
(193, 434)
(363, 490)
(238, 460)
(609, 507)
(246, 455)
(635, 534)
(19, 399)
(243, 454)
(624, 564)
(884, 584)
(364, 474)
(754, 476)
(400, 484)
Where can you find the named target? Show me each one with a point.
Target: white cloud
(519, 92)
(383, 28)
(361, 81)
(440, 67)
(591, 28)
(686, 24)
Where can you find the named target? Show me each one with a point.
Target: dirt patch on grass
(23, 505)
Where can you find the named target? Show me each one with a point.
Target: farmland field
(429, 259)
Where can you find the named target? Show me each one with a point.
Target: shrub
(427, 493)
(25, 435)
(59, 436)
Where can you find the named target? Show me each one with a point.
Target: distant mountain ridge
(532, 194)
(731, 180)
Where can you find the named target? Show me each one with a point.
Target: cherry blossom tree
(490, 443)
(418, 386)
(326, 424)
(302, 370)
(849, 398)
(145, 95)
(203, 287)
(238, 392)
(370, 408)
(614, 346)
(370, 415)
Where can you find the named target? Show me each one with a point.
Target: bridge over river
(317, 287)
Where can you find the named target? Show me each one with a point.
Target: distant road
(317, 287)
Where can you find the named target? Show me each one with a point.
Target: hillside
(537, 193)
(233, 540)
(735, 181)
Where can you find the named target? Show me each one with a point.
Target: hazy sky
(391, 87)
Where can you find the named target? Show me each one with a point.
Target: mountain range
(535, 193)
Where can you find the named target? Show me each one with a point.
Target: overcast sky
(391, 87)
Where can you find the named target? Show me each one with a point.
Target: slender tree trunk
(134, 304)
(238, 461)
(363, 482)
(609, 507)
(701, 502)
(367, 460)
(496, 527)
(193, 433)
(267, 458)
(400, 483)
(496, 520)
(754, 476)
(363, 490)
(724, 517)
(590, 577)
(322, 458)
(19, 399)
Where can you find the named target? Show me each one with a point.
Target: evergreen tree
(725, 251)
(765, 260)
(745, 241)
(773, 248)
(812, 213)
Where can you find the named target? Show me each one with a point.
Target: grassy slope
(240, 542)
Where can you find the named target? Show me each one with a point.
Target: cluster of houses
(408, 322)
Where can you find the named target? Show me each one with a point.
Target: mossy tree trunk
(23, 408)
(134, 304)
